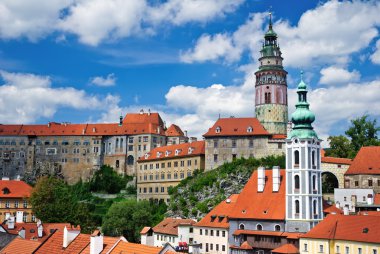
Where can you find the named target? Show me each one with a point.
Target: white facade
(211, 240)
(161, 239)
(352, 197)
(303, 184)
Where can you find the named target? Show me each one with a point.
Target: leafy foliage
(107, 180)
(362, 132)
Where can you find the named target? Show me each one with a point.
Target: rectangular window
(347, 250)
(145, 138)
(374, 251)
(211, 232)
(337, 249)
(188, 163)
(215, 158)
(206, 232)
(251, 143)
(16, 203)
(157, 165)
(162, 189)
(163, 165)
(7, 204)
(370, 183)
(321, 248)
(182, 163)
(176, 164)
(200, 231)
(223, 233)
(360, 251)
(223, 247)
(279, 146)
(215, 143)
(356, 183)
(25, 205)
(305, 247)
(169, 164)
(169, 176)
(233, 143)
(130, 140)
(217, 233)
(130, 148)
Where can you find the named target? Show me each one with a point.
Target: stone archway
(336, 169)
(329, 182)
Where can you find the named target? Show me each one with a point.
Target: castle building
(303, 169)
(165, 166)
(271, 100)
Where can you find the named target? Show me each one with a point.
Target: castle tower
(271, 103)
(303, 169)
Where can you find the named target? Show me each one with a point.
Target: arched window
(241, 226)
(277, 228)
(218, 129)
(296, 158)
(315, 210)
(259, 227)
(117, 143)
(130, 160)
(314, 180)
(296, 182)
(249, 129)
(297, 206)
(313, 158)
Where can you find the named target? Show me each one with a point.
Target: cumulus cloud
(26, 97)
(334, 75)
(110, 80)
(375, 57)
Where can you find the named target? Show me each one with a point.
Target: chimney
(40, 229)
(69, 235)
(96, 242)
(11, 222)
(148, 111)
(337, 204)
(141, 111)
(345, 210)
(289, 128)
(158, 129)
(185, 133)
(276, 178)
(370, 199)
(260, 179)
(19, 216)
(120, 120)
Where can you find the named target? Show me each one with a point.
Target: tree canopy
(362, 132)
(107, 180)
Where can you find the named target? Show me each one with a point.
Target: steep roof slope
(169, 226)
(174, 131)
(367, 162)
(14, 189)
(20, 246)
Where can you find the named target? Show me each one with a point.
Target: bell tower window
(297, 207)
(297, 182)
(296, 158)
(267, 98)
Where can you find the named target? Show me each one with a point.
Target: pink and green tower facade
(271, 101)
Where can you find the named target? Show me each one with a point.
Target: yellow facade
(10, 207)
(308, 246)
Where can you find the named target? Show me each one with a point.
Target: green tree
(363, 132)
(53, 201)
(107, 180)
(340, 146)
(127, 218)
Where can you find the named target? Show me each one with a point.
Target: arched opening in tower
(329, 182)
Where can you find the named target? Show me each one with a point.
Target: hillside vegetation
(195, 196)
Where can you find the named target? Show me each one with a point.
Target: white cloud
(31, 19)
(375, 57)
(334, 75)
(110, 80)
(25, 97)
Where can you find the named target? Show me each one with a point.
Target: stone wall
(336, 169)
(363, 182)
(274, 117)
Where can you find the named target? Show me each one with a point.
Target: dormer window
(6, 190)
(158, 155)
(167, 153)
(146, 156)
(218, 129)
(177, 151)
(190, 150)
(249, 129)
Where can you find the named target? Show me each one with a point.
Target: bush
(107, 180)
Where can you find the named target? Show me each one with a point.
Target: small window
(249, 129)
(277, 228)
(241, 226)
(218, 129)
(259, 227)
(321, 248)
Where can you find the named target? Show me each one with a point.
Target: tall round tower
(271, 104)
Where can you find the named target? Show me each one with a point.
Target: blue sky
(191, 60)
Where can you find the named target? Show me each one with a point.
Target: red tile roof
(366, 162)
(359, 228)
(169, 226)
(174, 131)
(335, 160)
(237, 127)
(145, 230)
(287, 249)
(244, 246)
(278, 136)
(258, 232)
(132, 124)
(169, 152)
(134, 248)
(108, 243)
(31, 229)
(78, 244)
(53, 244)
(266, 205)
(376, 200)
(218, 217)
(17, 189)
(20, 246)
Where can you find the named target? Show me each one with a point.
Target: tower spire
(270, 20)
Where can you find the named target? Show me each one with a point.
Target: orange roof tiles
(169, 226)
(257, 232)
(31, 229)
(367, 161)
(237, 127)
(20, 246)
(376, 200)
(174, 131)
(195, 148)
(359, 228)
(17, 189)
(218, 217)
(134, 248)
(78, 244)
(278, 136)
(108, 243)
(53, 244)
(145, 230)
(286, 249)
(336, 160)
(132, 124)
(266, 205)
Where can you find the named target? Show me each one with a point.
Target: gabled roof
(53, 244)
(286, 249)
(236, 127)
(14, 189)
(174, 131)
(366, 162)
(218, 217)
(20, 246)
(336, 160)
(169, 226)
(266, 205)
(31, 229)
(359, 228)
(195, 148)
(244, 246)
(145, 230)
(132, 248)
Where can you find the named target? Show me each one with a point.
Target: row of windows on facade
(210, 247)
(145, 139)
(168, 176)
(234, 157)
(16, 204)
(218, 129)
(156, 190)
(364, 197)
(168, 164)
(271, 78)
(233, 143)
(218, 233)
(297, 183)
(338, 249)
(170, 239)
(297, 207)
(24, 217)
(369, 182)
(259, 227)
